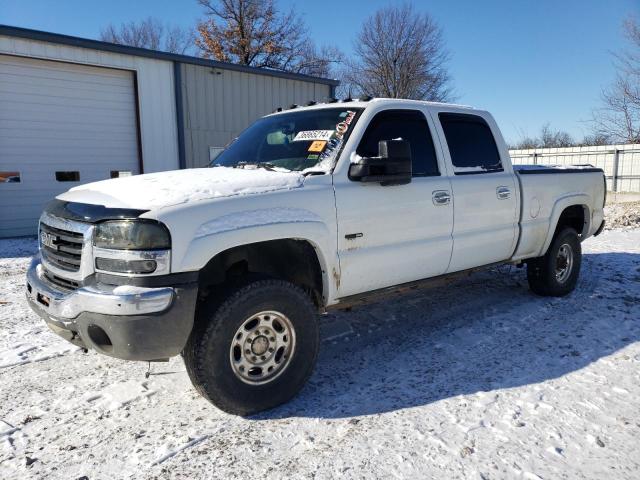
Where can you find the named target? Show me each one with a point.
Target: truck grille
(61, 248)
(62, 283)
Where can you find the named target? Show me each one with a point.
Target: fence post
(616, 163)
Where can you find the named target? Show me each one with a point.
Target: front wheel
(556, 273)
(256, 349)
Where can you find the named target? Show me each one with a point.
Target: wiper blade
(266, 165)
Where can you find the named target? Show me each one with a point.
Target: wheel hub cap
(262, 347)
(259, 345)
(564, 263)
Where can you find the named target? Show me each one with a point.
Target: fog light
(125, 266)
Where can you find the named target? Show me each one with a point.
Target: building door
(61, 125)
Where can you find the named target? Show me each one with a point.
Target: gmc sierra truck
(310, 208)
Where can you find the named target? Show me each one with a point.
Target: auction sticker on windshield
(307, 135)
(317, 146)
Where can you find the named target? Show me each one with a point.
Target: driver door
(388, 235)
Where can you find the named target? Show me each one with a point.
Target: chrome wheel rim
(262, 347)
(564, 262)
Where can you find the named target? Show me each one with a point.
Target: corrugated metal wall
(621, 163)
(218, 104)
(159, 140)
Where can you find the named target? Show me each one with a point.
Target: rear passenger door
(485, 199)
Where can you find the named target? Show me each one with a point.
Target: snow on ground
(622, 215)
(477, 380)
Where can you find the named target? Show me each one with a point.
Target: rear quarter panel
(543, 199)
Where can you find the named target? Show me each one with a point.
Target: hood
(155, 190)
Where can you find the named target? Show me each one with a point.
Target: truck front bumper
(130, 323)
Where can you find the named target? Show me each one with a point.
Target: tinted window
(471, 143)
(409, 125)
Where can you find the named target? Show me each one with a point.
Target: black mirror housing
(392, 166)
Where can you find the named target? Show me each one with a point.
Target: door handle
(441, 197)
(503, 193)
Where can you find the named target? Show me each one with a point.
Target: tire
(556, 273)
(286, 326)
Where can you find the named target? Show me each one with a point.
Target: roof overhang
(57, 38)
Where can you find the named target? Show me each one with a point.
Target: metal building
(74, 110)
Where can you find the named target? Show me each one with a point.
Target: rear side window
(471, 144)
(409, 125)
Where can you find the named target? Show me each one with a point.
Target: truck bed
(543, 199)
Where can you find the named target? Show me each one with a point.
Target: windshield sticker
(343, 126)
(317, 146)
(313, 157)
(307, 135)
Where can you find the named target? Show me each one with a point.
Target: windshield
(297, 141)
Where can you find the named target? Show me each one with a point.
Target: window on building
(9, 177)
(68, 176)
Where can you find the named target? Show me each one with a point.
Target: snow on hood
(155, 190)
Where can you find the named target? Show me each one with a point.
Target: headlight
(132, 235)
(132, 247)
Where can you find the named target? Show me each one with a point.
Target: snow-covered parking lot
(477, 380)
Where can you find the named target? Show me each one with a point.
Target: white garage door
(61, 125)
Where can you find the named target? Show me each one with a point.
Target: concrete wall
(218, 104)
(156, 97)
(621, 163)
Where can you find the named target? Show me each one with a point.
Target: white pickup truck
(309, 208)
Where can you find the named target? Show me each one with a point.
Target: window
(9, 177)
(410, 125)
(471, 144)
(120, 173)
(295, 140)
(73, 176)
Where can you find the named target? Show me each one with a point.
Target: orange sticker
(317, 146)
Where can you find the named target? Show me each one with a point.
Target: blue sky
(528, 62)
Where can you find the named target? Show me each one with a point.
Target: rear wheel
(254, 350)
(556, 273)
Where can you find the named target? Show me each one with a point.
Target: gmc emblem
(48, 240)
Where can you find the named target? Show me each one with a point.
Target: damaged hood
(163, 189)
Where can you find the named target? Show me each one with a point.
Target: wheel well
(574, 217)
(292, 260)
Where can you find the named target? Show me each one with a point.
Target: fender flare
(204, 247)
(562, 203)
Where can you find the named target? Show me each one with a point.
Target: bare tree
(526, 143)
(400, 53)
(255, 33)
(595, 140)
(549, 138)
(619, 117)
(150, 33)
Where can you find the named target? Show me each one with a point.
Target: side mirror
(392, 166)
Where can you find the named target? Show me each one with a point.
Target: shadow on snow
(484, 333)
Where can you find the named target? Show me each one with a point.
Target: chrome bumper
(98, 298)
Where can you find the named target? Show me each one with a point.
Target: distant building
(74, 110)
